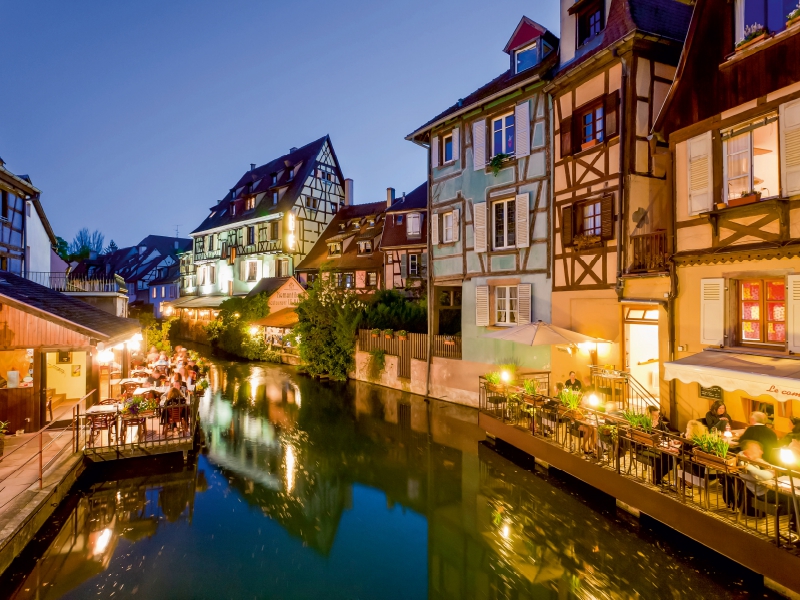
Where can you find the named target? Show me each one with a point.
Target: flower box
(585, 241)
(642, 437)
(497, 388)
(751, 42)
(374, 335)
(744, 200)
(589, 144)
(449, 342)
(388, 336)
(793, 21)
(713, 461)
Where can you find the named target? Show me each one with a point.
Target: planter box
(792, 22)
(449, 343)
(744, 200)
(587, 145)
(642, 437)
(375, 335)
(402, 337)
(749, 43)
(388, 337)
(496, 388)
(713, 461)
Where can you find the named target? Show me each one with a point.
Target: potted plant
(375, 332)
(570, 403)
(402, 334)
(202, 385)
(494, 383)
(449, 340)
(497, 162)
(388, 333)
(608, 433)
(750, 197)
(711, 450)
(752, 35)
(640, 429)
(793, 17)
(3, 429)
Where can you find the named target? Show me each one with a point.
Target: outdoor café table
(106, 409)
(143, 390)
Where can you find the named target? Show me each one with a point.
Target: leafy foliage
(377, 363)
(326, 330)
(155, 333)
(62, 248)
(712, 443)
(391, 310)
(230, 331)
(497, 162)
(570, 398)
(638, 420)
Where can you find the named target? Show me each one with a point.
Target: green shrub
(377, 363)
(230, 331)
(155, 333)
(391, 310)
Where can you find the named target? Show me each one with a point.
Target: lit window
(588, 219)
(212, 274)
(503, 138)
(334, 249)
(233, 208)
(413, 265)
(448, 234)
(372, 279)
(250, 203)
(447, 148)
(751, 158)
(154, 292)
(412, 224)
(163, 292)
(506, 305)
(762, 311)
(275, 197)
(252, 270)
(365, 247)
(201, 276)
(527, 57)
(504, 224)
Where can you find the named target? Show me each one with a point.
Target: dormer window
(291, 174)
(447, 148)
(365, 247)
(334, 249)
(413, 225)
(274, 178)
(250, 203)
(526, 57)
(590, 19)
(254, 185)
(275, 197)
(233, 209)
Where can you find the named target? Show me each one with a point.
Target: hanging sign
(712, 393)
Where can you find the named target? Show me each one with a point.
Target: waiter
(573, 383)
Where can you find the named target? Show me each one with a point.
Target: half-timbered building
(489, 159)
(732, 120)
(405, 241)
(611, 185)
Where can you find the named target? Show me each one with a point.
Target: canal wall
(451, 380)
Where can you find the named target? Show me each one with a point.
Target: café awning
(285, 318)
(753, 374)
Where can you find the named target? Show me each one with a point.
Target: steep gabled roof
(395, 233)
(73, 313)
(304, 157)
(268, 286)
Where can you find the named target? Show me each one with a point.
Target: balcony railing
(62, 282)
(649, 252)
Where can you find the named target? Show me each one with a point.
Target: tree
(112, 247)
(84, 242)
(391, 310)
(231, 333)
(62, 248)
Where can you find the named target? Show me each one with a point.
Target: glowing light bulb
(594, 400)
(102, 541)
(506, 531)
(727, 434)
(505, 376)
(253, 330)
(787, 456)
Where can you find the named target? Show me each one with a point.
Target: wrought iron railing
(621, 387)
(63, 282)
(649, 252)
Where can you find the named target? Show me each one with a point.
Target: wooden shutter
(434, 228)
(435, 152)
(480, 226)
(566, 226)
(478, 145)
(700, 174)
(523, 233)
(456, 224)
(403, 266)
(607, 218)
(790, 147)
(712, 311)
(565, 131)
(524, 299)
(522, 129)
(423, 258)
(611, 114)
(456, 144)
(793, 312)
(482, 306)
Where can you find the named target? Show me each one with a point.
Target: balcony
(62, 282)
(649, 252)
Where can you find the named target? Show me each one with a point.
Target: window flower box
(752, 35)
(589, 144)
(713, 461)
(749, 198)
(793, 21)
(643, 438)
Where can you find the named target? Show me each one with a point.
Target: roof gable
(527, 30)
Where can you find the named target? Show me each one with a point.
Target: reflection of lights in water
(297, 399)
(290, 468)
(506, 531)
(102, 541)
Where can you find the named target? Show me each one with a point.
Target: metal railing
(621, 387)
(62, 282)
(447, 346)
(444, 346)
(649, 252)
(764, 499)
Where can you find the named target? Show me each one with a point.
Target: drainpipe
(673, 294)
(25, 265)
(429, 280)
(622, 180)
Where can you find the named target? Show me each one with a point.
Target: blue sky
(133, 117)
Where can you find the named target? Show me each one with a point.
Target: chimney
(389, 197)
(252, 166)
(348, 192)
(292, 150)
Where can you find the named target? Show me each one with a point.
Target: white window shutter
(524, 299)
(435, 229)
(522, 127)
(712, 311)
(523, 233)
(456, 144)
(478, 145)
(793, 312)
(479, 221)
(403, 266)
(482, 306)
(435, 152)
(456, 224)
(700, 174)
(790, 147)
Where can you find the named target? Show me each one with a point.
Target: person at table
(193, 367)
(759, 432)
(154, 378)
(658, 422)
(174, 398)
(573, 383)
(152, 356)
(717, 417)
(191, 380)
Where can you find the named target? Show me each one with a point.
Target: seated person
(174, 398)
(152, 356)
(718, 417)
(658, 422)
(573, 383)
(191, 380)
(155, 377)
(162, 360)
(759, 432)
(193, 366)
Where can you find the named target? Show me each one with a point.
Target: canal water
(349, 491)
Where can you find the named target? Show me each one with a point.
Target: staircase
(623, 388)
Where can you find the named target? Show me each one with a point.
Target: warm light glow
(290, 240)
(102, 541)
(291, 222)
(787, 456)
(505, 376)
(506, 531)
(237, 315)
(253, 330)
(134, 346)
(138, 337)
(168, 311)
(593, 400)
(119, 347)
(603, 349)
(587, 346)
(290, 468)
(727, 434)
(106, 356)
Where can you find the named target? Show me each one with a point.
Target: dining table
(139, 391)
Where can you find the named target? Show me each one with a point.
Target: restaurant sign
(712, 393)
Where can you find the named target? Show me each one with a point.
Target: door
(641, 344)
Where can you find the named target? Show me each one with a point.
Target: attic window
(274, 197)
(254, 185)
(274, 178)
(233, 209)
(527, 57)
(590, 20)
(334, 249)
(250, 203)
(291, 174)
(365, 247)
(372, 222)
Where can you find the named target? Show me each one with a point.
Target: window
(389, 259)
(504, 224)
(274, 230)
(526, 57)
(762, 311)
(503, 137)
(274, 177)
(447, 149)
(282, 267)
(252, 270)
(372, 279)
(210, 243)
(344, 280)
(365, 247)
(311, 202)
(412, 224)
(447, 227)
(413, 265)
(163, 291)
(172, 291)
(588, 220)
(334, 249)
(399, 219)
(591, 125)
(212, 274)
(751, 158)
(251, 235)
(275, 197)
(590, 21)
(506, 305)
(201, 276)
(291, 174)
(769, 13)
(154, 292)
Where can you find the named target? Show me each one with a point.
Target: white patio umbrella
(539, 333)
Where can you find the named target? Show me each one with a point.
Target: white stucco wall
(37, 242)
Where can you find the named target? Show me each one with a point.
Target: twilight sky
(135, 116)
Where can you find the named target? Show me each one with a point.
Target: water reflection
(342, 491)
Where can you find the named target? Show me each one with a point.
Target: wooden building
(51, 341)
(405, 241)
(736, 153)
(612, 187)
